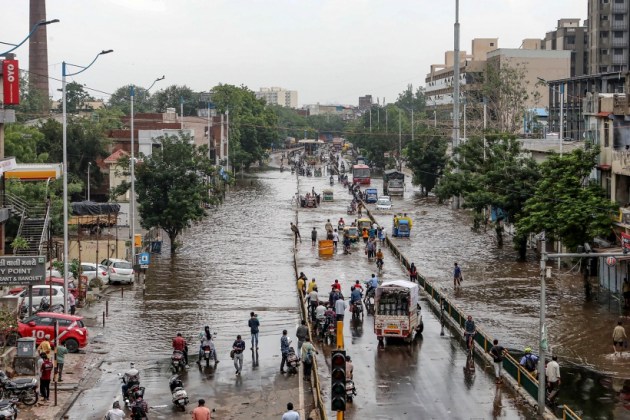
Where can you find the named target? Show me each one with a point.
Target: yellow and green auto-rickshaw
(327, 195)
(352, 232)
(364, 222)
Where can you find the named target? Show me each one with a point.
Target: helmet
(528, 349)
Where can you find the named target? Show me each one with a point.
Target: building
(279, 96)
(570, 36)
(608, 28)
(342, 111)
(365, 102)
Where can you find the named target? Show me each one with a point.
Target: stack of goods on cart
(394, 302)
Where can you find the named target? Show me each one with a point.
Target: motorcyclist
(205, 337)
(349, 368)
(140, 408)
(341, 223)
(330, 315)
(179, 344)
(371, 284)
(355, 297)
(115, 413)
(379, 258)
(130, 378)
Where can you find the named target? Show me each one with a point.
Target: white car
(40, 292)
(119, 271)
(384, 203)
(89, 270)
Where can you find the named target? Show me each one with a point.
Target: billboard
(22, 271)
(11, 82)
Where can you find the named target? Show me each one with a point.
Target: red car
(72, 332)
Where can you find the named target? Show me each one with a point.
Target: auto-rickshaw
(352, 232)
(327, 195)
(364, 222)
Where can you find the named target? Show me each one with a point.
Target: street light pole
(33, 30)
(456, 93)
(561, 118)
(64, 74)
(542, 345)
(132, 196)
(88, 181)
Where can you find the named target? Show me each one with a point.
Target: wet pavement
(423, 380)
(236, 261)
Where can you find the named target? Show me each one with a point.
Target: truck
(393, 183)
(397, 312)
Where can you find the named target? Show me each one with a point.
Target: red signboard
(11, 82)
(625, 240)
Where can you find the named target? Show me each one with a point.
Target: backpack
(530, 365)
(308, 359)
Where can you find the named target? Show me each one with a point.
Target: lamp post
(64, 74)
(88, 181)
(561, 91)
(33, 30)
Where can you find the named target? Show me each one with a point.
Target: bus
(361, 174)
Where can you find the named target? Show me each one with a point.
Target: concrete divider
(521, 381)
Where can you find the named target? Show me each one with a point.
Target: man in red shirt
(179, 343)
(201, 412)
(336, 285)
(44, 380)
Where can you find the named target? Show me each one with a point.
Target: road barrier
(317, 390)
(522, 380)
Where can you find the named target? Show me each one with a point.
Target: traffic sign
(611, 261)
(144, 259)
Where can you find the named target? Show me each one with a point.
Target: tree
(120, 100)
(507, 92)
(410, 100)
(21, 141)
(171, 186)
(493, 176)
(426, 157)
(172, 96)
(76, 98)
(567, 205)
(32, 102)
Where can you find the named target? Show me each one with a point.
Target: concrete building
(365, 102)
(570, 36)
(608, 28)
(279, 96)
(342, 111)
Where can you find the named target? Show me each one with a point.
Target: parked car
(384, 203)
(119, 271)
(57, 281)
(40, 292)
(72, 332)
(91, 270)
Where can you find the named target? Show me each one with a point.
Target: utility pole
(227, 139)
(412, 132)
(561, 119)
(456, 93)
(399, 141)
(370, 118)
(485, 125)
(88, 182)
(132, 196)
(542, 345)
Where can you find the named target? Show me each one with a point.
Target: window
(603, 17)
(618, 17)
(43, 321)
(617, 51)
(603, 34)
(618, 34)
(604, 52)
(606, 137)
(571, 39)
(492, 44)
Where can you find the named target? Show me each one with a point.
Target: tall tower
(608, 34)
(38, 51)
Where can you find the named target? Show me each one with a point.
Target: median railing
(523, 379)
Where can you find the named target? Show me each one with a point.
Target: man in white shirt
(553, 374)
(290, 414)
(340, 308)
(115, 413)
(335, 238)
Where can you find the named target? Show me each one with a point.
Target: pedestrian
(284, 349)
(254, 324)
(335, 238)
(296, 233)
(44, 347)
(290, 414)
(61, 351)
(552, 373)
(313, 302)
(46, 371)
(201, 412)
(496, 351)
(340, 307)
(237, 347)
(301, 334)
(72, 302)
(307, 355)
(413, 273)
(457, 276)
(364, 235)
(329, 227)
(115, 413)
(619, 336)
(314, 237)
(311, 285)
(382, 234)
(301, 284)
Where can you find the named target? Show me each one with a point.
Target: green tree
(426, 157)
(171, 186)
(409, 99)
(172, 96)
(32, 102)
(22, 142)
(76, 98)
(567, 205)
(496, 176)
(120, 100)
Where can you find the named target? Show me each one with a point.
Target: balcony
(619, 7)
(620, 58)
(620, 42)
(619, 24)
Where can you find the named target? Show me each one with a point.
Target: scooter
(351, 390)
(179, 395)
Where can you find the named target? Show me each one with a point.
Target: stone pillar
(38, 52)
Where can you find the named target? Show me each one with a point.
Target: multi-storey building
(570, 36)
(608, 28)
(365, 102)
(279, 96)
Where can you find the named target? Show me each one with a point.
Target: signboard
(611, 261)
(22, 271)
(137, 240)
(143, 259)
(625, 241)
(11, 82)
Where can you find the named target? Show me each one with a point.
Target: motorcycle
(293, 361)
(133, 388)
(179, 395)
(177, 361)
(330, 335)
(357, 310)
(379, 265)
(368, 300)
(351, 210)
(8, 410)
(23, 390)
(351, 390)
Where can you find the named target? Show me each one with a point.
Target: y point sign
(11, 82)
(22, 271)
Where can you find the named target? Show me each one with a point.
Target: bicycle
(379, 265)
(470, 352)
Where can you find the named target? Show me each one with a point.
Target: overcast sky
(330, 51)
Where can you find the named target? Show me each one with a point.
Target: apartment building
(608, 28)
(570, 35)
(279, 96)
(365, 102)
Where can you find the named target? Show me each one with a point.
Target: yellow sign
(137, 240)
